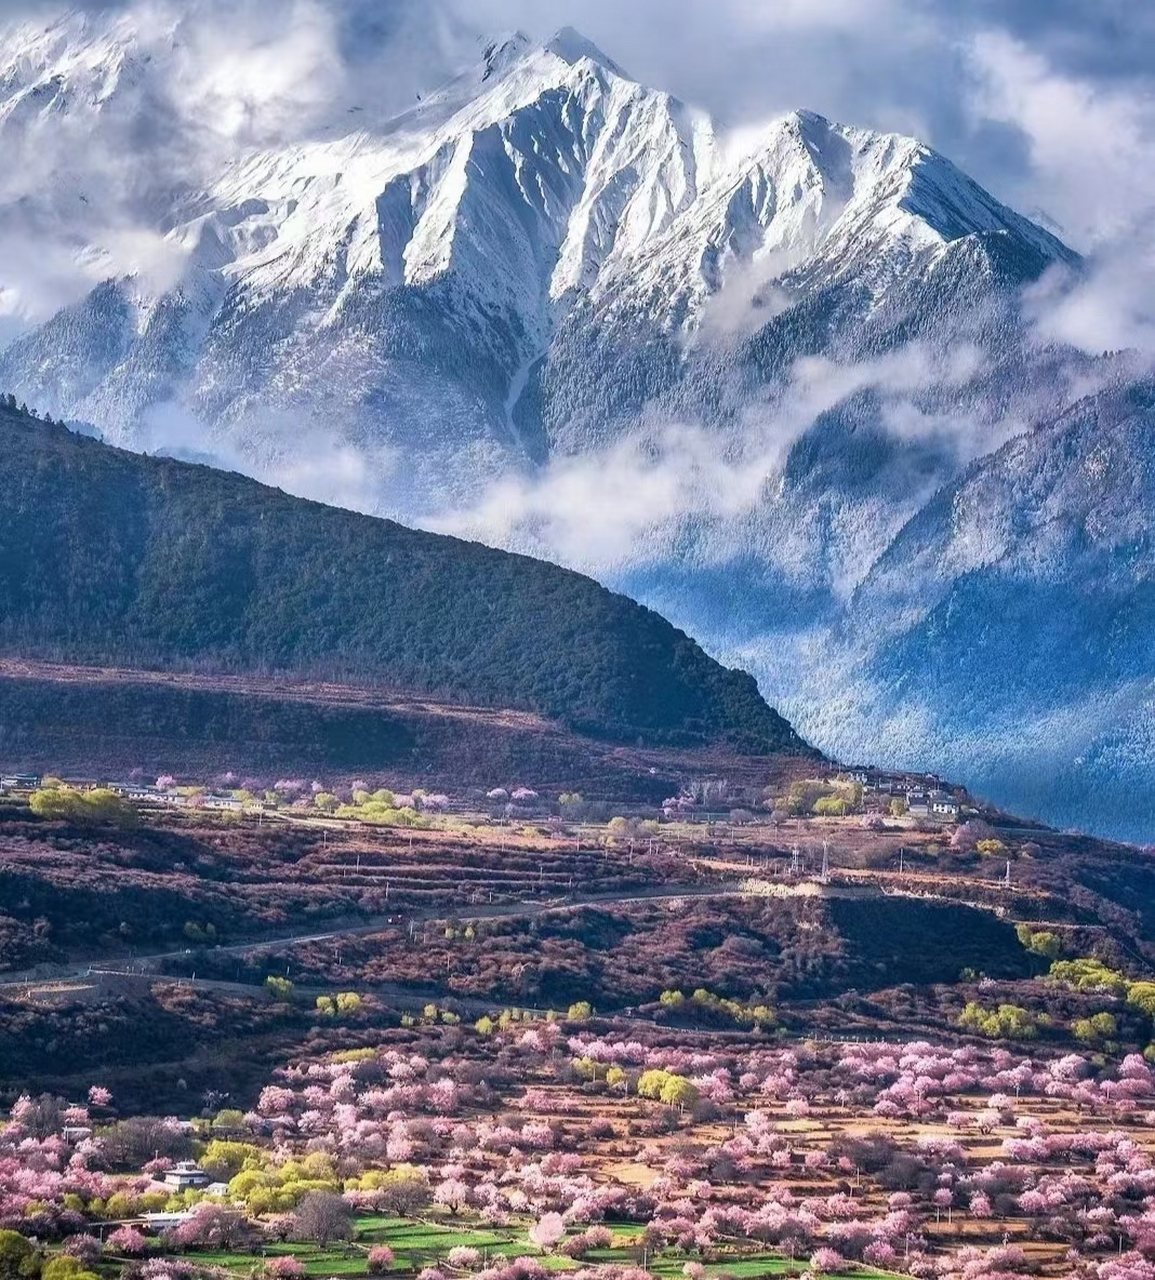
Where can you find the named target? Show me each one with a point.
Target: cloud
(749, 297)
(315, 466)
(1045, 101)
(115, 114)
(1110, 307)
(631, 503)
(934, 68)
(1090, 146)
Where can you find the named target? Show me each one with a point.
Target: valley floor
(727, 1045)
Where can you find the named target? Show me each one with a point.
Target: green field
(417, 1244)
(414, 1244)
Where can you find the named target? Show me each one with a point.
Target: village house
(934, 803)
(226, 804)
(944, 805)
(166, 1221)
(19, 782)
(137, 791)
(918, 804)
(186, 1175)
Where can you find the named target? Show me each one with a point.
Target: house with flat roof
(185, 1176)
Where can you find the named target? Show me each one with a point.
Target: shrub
(1100, 1026)
(403, 1190)
(547, 1231)
(323, 1216)
(128, 1240)
(285, 1267)
(1007, 1022)
(86, 1248)
(65, 1267)
(1044, 943)
(1087, 974)
(18, 1260)
(85, 808)
(668, 1087)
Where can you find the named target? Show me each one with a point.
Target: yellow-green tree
(99, 807)
(1099, 1026)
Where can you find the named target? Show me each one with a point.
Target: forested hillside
(114, 557)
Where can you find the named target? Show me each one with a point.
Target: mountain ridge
(116, 557)
(552, 179)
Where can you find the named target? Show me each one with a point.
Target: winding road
(128, 966)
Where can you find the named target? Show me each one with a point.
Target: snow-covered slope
(562, 311)
(433, 261)
(1009, 627)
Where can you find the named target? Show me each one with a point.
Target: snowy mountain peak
(538, 189)
(502, 52)
(726, 368)
(571, 46)
(810, 126)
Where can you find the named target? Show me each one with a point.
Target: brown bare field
(106, 721)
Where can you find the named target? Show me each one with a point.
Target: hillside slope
(114, 557)
(1008, 628)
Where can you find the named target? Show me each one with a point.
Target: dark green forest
(113, 557)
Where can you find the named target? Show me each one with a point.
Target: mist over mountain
(806, 388)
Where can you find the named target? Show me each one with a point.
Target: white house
(943, 805)
(186, 1175)
(162, 1221)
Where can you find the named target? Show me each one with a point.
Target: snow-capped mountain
(443, 264)
(562, 311)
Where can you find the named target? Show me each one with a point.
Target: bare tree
(322, 1216)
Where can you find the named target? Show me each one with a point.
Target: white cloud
(630, 504)
(1091, 146)
(107, 122)
(338, 473)
(1109, 307)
